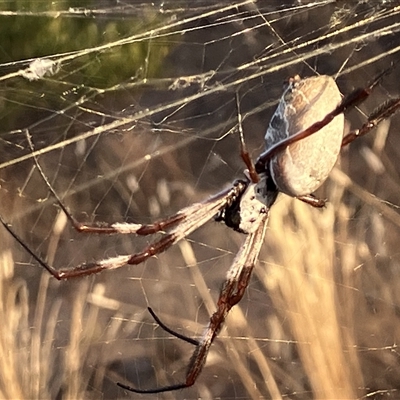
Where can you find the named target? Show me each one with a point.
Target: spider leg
(313, 201)
(237, 280)
(194, 342)
(381, 113)
(106, 228)
(41, 262)
(193, 217)
(243, 148)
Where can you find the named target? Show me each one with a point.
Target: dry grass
(303, 283)
(326, 326)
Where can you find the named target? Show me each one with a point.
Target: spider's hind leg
(313, 201)
(168, 388)
(187, 339)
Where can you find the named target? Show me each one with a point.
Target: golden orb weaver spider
(302, 144)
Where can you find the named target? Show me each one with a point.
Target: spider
(298, 158)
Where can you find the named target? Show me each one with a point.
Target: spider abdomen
(304, 165)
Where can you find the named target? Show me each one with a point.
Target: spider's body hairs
(245, 205)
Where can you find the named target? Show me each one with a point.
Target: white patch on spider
(253, 206)
(124, 227)
(277, 129)
(114, 262)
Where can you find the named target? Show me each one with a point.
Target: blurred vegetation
(38, 31)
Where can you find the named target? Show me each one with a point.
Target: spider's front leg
(105, 228)
(177, 227)
(237, 280)
(384, 111)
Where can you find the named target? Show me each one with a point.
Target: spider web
(131, 109)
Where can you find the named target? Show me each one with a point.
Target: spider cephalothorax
(302, 144)
(243, 213)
